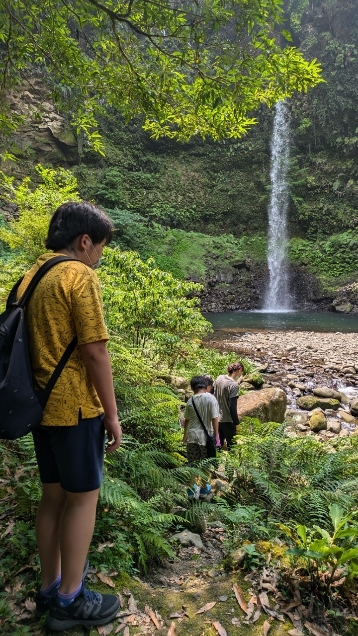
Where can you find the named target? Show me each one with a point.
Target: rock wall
(45, 136)
(241, 285)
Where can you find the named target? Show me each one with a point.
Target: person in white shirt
(195, 436)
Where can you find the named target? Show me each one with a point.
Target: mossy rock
(310, 402)
(254, 378)
(318, 422)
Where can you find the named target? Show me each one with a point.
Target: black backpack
(21, 406)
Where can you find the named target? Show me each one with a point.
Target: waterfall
(277, 296)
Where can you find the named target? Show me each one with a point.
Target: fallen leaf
(256, 616)
(220, 629)
(223, 598)
(132, 605)
(264, 599)
(177, 615)
(8, 529)
(235, 621)
(105, 630)
(269, 587)
(240, 597)
(290, 606)
(274, 614)
(266, 628)
(30, 605)
(206, 608)
(126, 631)
(250, 610)
(102, 546)
(105, 579)
(126, 591)
(315, 630)
(120, 627)
(152, 616)
(295, 632)
(171, 631)
(121, 599)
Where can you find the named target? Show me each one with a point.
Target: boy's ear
(83, 242)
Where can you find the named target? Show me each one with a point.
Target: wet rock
(344, 398)
(247, 386)
(318, 422)
(187, 538)
(310, 402)
(268, 405)
(349, 370)
(326, 392)
(334, 426)
(344, 432)
(354, 406)
(345, 308)
(296, 418)
(254, 378)
(347, 417)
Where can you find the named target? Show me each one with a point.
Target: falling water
(277, 296)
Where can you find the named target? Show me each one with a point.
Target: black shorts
(71, 455)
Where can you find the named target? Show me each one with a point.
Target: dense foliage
(192, 68)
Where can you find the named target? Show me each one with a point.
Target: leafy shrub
(328, 556)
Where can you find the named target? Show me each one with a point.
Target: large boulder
(268, 405)
(310, 402)
(325, 392)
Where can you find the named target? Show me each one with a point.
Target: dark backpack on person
(21, 405)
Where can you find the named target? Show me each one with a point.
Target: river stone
(347, 417)
(187, 538)
(325, 392)
(318, 422)
(344, 308)
(334, 426)
(268, 405)
(344, 398)
(344, 432)
(310, 402)
(247, 386)
(254, 378)
(296, 418)
(349, 370)
(354, 406)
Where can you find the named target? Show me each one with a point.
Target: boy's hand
(114, 433)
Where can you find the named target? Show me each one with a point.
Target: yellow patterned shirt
(66, 303)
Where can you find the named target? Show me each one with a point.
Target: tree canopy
(190, 67)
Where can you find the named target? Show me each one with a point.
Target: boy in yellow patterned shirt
(69, 444)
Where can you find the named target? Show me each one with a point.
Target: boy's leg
(76, 534)
(48, 523)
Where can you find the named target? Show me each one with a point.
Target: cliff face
(222, 189)
(44, 135)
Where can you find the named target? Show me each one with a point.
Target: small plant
(327, 557)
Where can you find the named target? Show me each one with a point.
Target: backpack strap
(22, 302)
(44, 394)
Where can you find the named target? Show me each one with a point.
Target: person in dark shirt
(226, 391)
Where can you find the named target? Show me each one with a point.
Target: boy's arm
(185, 436)
(215, 423)
(96, 359)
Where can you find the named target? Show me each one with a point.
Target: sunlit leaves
(188, 69)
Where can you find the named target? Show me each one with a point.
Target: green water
(285, 321)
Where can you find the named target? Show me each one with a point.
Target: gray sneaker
(43, 602)
(88, 609)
